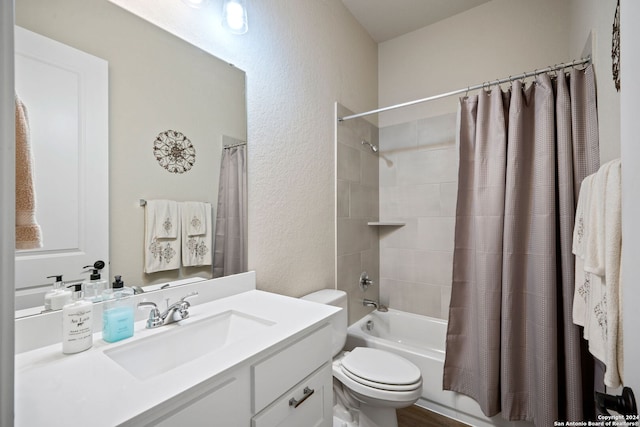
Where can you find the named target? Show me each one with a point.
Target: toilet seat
(373, 395)
(386, 387)
(378, 393)
(381, 369)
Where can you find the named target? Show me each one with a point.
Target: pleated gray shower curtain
(511, 343)
(230, 247)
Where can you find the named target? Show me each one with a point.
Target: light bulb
(235, 16)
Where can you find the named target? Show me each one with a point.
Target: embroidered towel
(589, 308)
(167, 219)
(194, 218)
(28, 233)
(583, 283)
(598, 249)
(160, 253)
(196, 248)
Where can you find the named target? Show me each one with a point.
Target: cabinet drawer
(313, 398)
(277, 374)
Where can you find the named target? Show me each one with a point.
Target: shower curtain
(511, 343)
(231, 220)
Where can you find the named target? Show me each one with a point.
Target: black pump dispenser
(95, 269)
(76, 291)
(118, 283)
(57, 276)
(77, 287)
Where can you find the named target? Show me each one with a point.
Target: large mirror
(157, 84)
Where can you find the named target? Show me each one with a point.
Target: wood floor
(415, 416)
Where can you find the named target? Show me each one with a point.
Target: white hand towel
(612, 256)
(582, 281)
(160, 253)
(595, 239)
(167, 221)
(589, 302)
(194, 218)
(598, 249)
(197, 249)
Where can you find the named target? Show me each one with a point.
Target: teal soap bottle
(117, 314)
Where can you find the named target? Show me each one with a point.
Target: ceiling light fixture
(234, 16)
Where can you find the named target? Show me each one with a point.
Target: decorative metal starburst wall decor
(615, 48)
(174, 151)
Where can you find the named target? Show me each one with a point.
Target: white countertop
(89, 388)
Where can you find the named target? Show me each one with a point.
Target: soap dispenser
(95, 286)
(77, 323)
(58, 296)
(117, 314)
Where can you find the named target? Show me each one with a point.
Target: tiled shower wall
(418, 185)
(357, 204)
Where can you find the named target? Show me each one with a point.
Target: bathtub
(421, 340)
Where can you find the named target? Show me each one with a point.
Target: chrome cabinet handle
(307, 392)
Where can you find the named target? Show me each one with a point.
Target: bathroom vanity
(250, 359)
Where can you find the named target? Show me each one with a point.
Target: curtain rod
(226, 147)
(469, 88)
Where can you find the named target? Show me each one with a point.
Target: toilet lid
(381, 367)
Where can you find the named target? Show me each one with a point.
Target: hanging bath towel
(196, 234)
(28, 233)
(161, 253)
(582, 280)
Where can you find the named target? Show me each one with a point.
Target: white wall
(300, 57)
(630, 128)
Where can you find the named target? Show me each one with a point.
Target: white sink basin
(184, 342)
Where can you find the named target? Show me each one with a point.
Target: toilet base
(377, 416)
(364, 416)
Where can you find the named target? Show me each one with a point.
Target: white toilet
(369, 384)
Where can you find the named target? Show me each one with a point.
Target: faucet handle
(189, 295)
(185, 303)
(155, 319)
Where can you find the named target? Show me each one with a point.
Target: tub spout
(371, 303)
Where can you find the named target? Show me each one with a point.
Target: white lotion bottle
(58, 296)
(77, 324)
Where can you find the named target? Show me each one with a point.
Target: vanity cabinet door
(309, 404)
(225, 404)
(283, 370)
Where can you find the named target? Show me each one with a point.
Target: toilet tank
(339, 320)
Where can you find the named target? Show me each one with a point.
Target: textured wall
(300, 57)
(358, 248)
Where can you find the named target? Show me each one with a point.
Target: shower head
(373, 147)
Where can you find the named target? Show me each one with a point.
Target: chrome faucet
(371, 303)
(174, 313)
